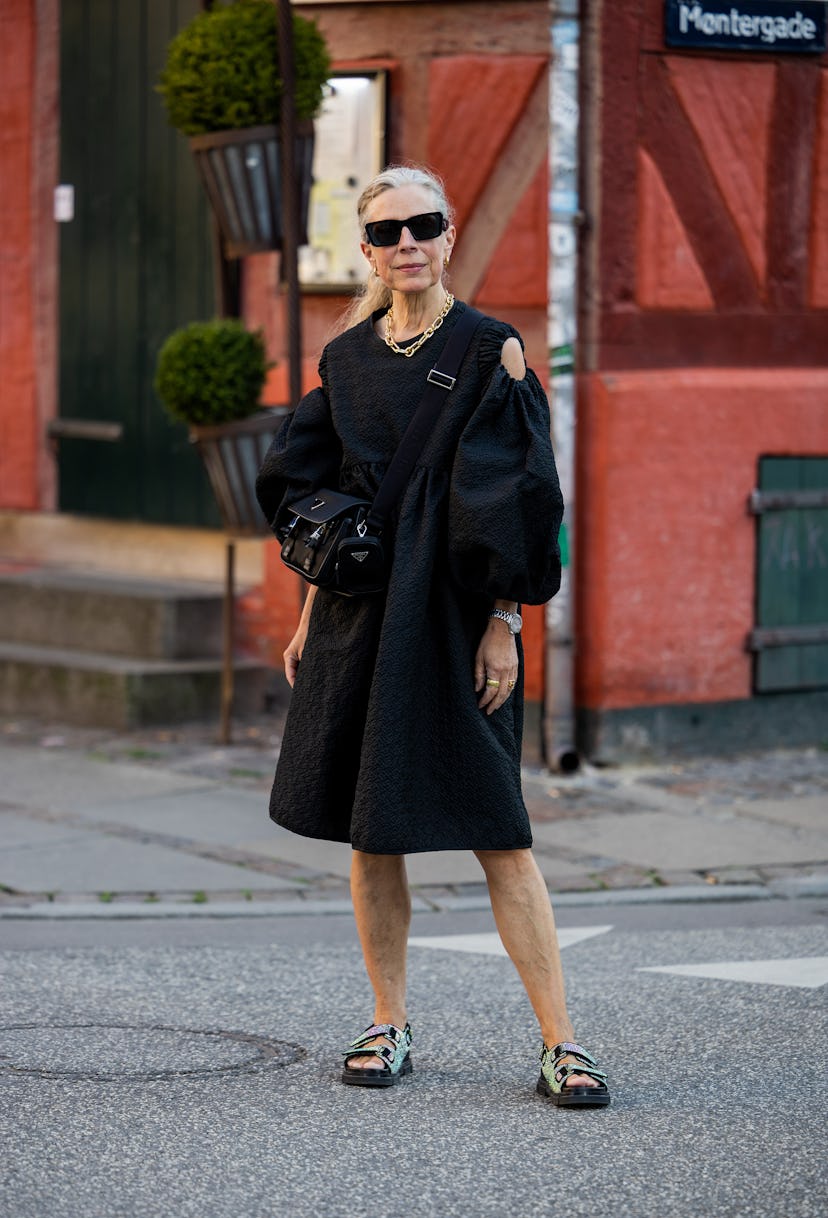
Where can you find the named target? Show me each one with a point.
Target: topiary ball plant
(222, 69)
(211, 372)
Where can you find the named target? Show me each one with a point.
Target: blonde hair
(374, 294)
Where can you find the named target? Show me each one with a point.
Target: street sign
(750, 25)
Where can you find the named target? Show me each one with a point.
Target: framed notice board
(349, 151)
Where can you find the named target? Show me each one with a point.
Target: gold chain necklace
(435, 325)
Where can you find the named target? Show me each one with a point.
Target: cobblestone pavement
(755, 823)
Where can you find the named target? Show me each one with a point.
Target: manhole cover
(123, 1052)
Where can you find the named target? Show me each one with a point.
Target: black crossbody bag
(335, 541)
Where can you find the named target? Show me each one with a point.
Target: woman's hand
(293, 652)
(496, 661)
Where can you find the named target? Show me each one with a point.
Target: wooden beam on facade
(522, 157)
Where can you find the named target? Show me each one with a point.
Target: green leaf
(212, 371)
(222, 69)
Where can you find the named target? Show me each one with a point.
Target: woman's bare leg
(524, 919)
(382, 907)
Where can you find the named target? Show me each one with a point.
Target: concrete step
(110, 613)
(153, 551)
(94, 689)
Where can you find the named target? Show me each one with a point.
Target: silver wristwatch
(513, 620)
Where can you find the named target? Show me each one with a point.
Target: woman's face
(410, 265)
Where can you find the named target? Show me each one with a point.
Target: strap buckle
(441, 379)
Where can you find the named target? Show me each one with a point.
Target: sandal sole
(574, 1097)
(376, 1078)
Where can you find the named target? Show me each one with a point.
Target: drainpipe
(565, 216)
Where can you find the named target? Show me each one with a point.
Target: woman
(405, 723)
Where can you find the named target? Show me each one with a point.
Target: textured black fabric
(385, 746)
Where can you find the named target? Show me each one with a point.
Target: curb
(681, 894)
(87, 911)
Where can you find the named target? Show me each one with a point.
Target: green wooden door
(135, 262)
(791, 638)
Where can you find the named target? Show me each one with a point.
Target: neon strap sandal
(396, 1060)
(555, 1072)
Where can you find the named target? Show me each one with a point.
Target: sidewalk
(167, 823)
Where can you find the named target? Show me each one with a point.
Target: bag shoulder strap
(441, 380)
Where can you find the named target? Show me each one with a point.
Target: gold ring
(491, 681)
(512, 684)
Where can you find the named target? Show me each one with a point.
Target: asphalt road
(190, 1067)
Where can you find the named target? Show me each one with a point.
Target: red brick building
(702, 323)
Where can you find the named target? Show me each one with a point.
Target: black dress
(385, 746)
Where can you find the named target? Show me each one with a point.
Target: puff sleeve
(505, 503)
(305, 454)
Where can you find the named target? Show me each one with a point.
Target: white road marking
(806, 972)
(488, 943)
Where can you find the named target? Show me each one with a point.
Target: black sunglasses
(422, 228)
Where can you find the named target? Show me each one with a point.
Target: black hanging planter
(232, 454)
(242, 176)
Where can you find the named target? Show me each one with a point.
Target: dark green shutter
(791, 635)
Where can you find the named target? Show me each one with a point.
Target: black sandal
(555, 1073)
(396, 1061)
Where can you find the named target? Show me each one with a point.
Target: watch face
(516, 624)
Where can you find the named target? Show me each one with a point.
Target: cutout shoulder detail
(511, 357)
